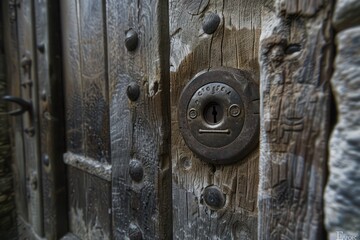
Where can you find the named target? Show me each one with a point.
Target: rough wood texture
(140, 129)
(233, 44)
(87, 118)
(295, 61)
(346, 14)
(31, 134)
(342, 196)
(7, 203)
(51, 118)
(13, 77)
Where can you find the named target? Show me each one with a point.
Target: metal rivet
(136, 170)
(41, 47)
(131, 40)
(133, 91)
(234, 110)
(135, 232)
(211, 23)
(43, 95)
(46, 160)
(193, 113)
(214, 198)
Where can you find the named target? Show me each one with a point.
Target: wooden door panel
(233, 44)
(87, 118)
(139, 118)
(31, 136)
(296, 60)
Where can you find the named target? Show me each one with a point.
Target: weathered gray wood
(233, 44)
(13, 78)
(295, 61)
(140, 129)
(8, 225)
(29, 89)
(51, 118)
(342, 202)
(86, 94)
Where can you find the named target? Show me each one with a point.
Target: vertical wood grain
(87, 114)
(295, 57)
(29, 89)
(234, 44)
(140, 129)
(51, 118)
(13, 76)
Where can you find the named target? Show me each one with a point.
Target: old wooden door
(131, 173)
(125, 65)
(34, 74)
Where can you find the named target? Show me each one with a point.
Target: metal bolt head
(211, 23)
(133, 91)
(136, 170)
(41, 47)
(214, 198)
(131, 40)
(43, 95)
(193, 113)
(46, 160)
(234, 110)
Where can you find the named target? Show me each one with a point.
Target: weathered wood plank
(87, 116)
(233, 44)
(51, 118)
(94, 79)
(13, 77)
(295, 57)
(29, 90)
(73, 114)
(139, 130)
(8, 225)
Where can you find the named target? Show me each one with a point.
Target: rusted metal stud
(211, 23)
(43, 95)
(131, 40)
(214, 198)
(41, 47)
(26, 61)
(46, 160)
(135, 232)
(136, 170)
(133, 91)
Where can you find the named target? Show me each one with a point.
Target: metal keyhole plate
(219, 115)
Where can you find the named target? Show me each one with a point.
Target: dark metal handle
(24, 105)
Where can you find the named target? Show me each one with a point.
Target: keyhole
(213, 113)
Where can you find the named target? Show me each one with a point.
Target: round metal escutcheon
(219, 115)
